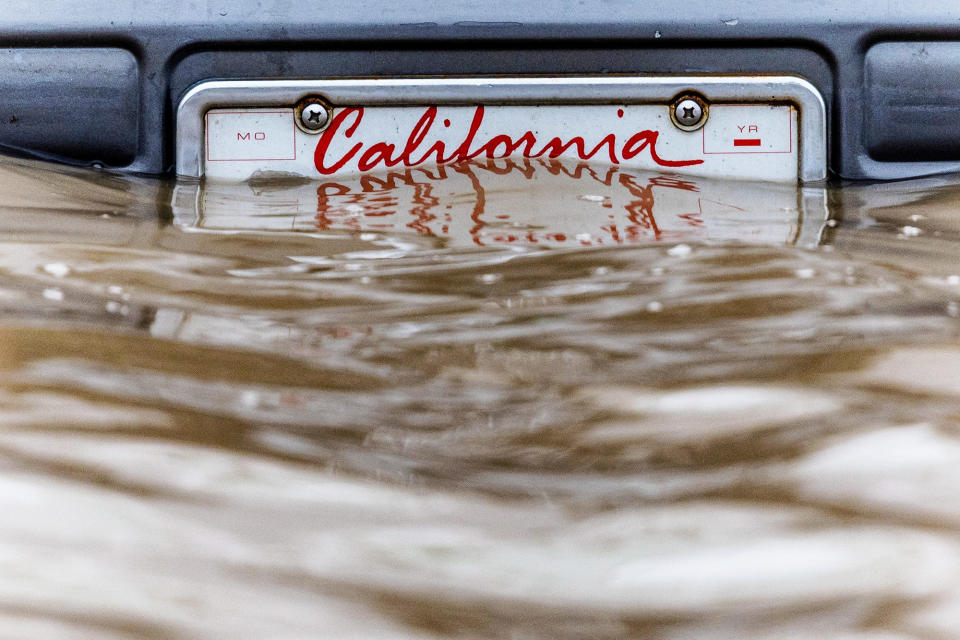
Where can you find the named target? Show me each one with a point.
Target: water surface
(496, 402)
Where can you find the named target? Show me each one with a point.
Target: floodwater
(490, 401)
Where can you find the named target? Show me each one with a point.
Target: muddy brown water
(492, 401)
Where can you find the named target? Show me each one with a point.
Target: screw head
(314, 116)
(688, 112)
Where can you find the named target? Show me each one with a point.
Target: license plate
(756, 128)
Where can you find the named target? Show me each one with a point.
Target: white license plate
(760, 128)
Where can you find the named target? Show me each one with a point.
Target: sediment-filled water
(484, 401)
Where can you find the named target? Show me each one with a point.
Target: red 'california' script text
(498, 146)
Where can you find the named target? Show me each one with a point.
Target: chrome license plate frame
(504, 97)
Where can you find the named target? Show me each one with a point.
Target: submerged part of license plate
(757, 128)
(510, 202)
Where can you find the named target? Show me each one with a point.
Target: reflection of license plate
(512, 202)
(763, 128)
